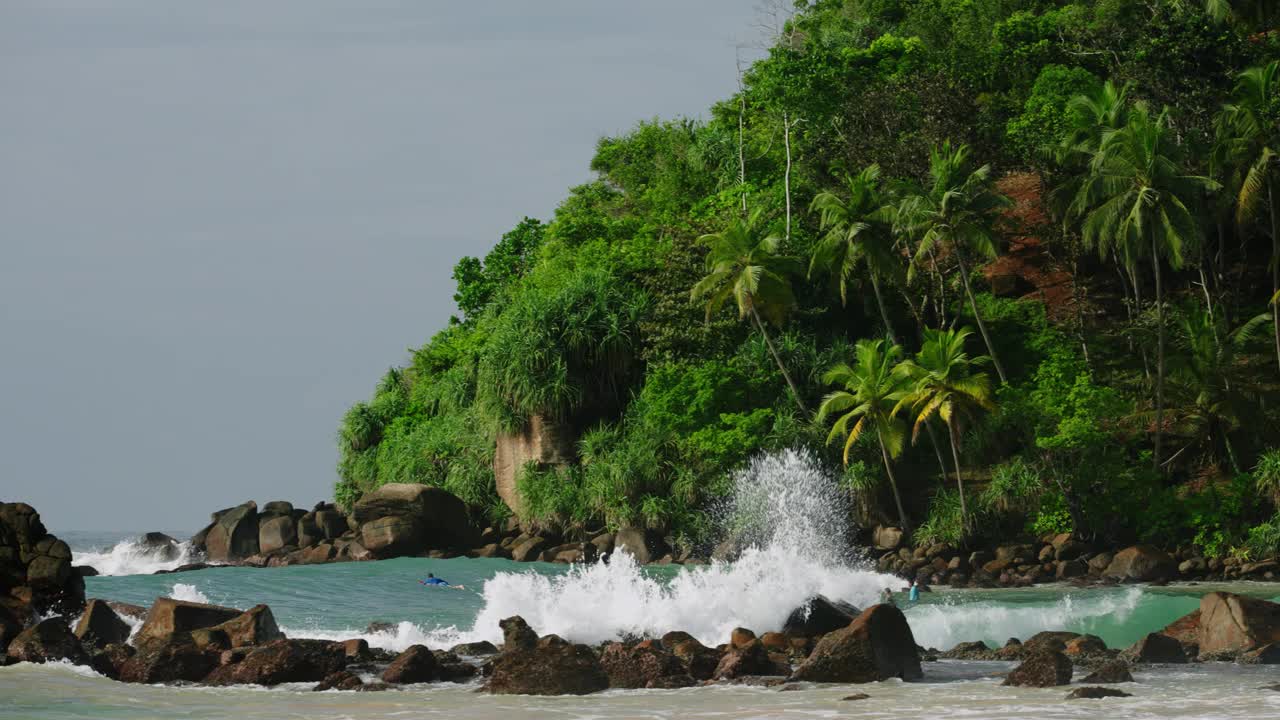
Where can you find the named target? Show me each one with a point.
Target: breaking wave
(132, 557)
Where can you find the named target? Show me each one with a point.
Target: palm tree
(943, 383)
(1137, 198)
(859, 230)
(743, 263)
(870, 394)
(1207, 371)
(957, 211)
(1257, 142)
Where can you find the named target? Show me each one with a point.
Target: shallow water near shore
(951, 689)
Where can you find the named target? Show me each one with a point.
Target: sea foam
(131, 557)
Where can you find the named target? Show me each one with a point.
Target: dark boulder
(109, 661)
(283, 661)
(551, 667)
(100, 626)
(276, 532)
(124, 609)
(1156, 648)
(161, 546)
(1111, 671)
(643, 544)
(48, 641)
(1095, 693)
(279, 508)
(529, 549)
(749, 658)
(475, 649)
(1045, 668)
(877, 645)
(168, 662)
(1232, 623)
(1141, 563)
(341, 680)
(416, 664)
(699, 661)
(408, 519)
(36, 574)
(234, 535)
(1048, 640)
(171, 620)
(517, 635)
(976, 650)
(819, 616)
(639, 666)
(1085, 646)
(332, 523)
(255, 626)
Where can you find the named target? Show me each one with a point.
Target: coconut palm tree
(956, 212)
(743, 263)
(1206, 372)
(1252, 119)
(868, 398)
(1136, 198)
(943, 381)
(859, 230)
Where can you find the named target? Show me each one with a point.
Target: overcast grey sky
(221, 222)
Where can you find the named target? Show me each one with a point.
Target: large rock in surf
(234, 534)
(1232, 623)
(1141, 563)
(643, 544)
(48, 641)
(877, 645)
(255, 626)
(819, 616)
(161, 546)
(417, 664)
(36, 575)
(283, 661)
(100, 626)
(168, 662)
(171, 620)
(1156, 648)
(643, 665)
(550, 667)
(1111, 671)
(1045, 668)
(407, 519)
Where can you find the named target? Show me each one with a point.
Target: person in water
(433, 580)
(886, 597)
(914, 595)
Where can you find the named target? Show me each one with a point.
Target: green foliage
(481, 283)
(1045, 117)
(900, 117)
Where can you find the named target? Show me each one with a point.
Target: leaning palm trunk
(982, 327)
(1275, 267)
(884, 312)
(795, 392)
(893, 484)
(955, 455)
(1155, 262)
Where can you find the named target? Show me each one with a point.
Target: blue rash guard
(433, 581)
(915, 593)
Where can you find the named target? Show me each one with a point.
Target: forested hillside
(1008, 265)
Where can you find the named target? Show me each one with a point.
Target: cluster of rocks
(36, 574)
(180, 641)
(394, 520)
(1226, 627)
(398, 520)
(1053, 558)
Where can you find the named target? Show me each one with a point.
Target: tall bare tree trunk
(893, 483)
(955, 455)
(786, 178)
(1275, 266)
(795, 392)
(1155, 263)
(884, 313)
(742, 155)
(982, 327)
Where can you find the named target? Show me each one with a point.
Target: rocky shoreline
(404, 520)
(45, 618)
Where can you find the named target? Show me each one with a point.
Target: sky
(221, 222)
